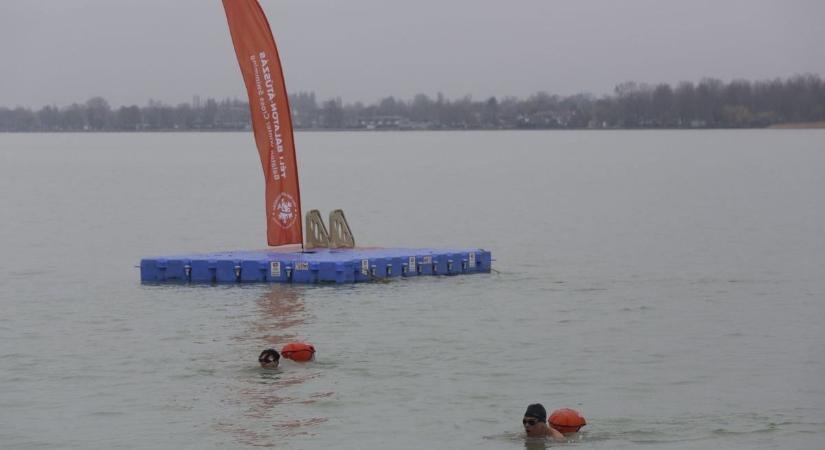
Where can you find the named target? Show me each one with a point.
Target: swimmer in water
(269, 358)
(535, 423)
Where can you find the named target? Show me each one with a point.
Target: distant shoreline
(783, 126)
(798, 126)
(792, 103)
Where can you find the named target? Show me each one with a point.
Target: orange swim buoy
(566, 420)
(298, 351)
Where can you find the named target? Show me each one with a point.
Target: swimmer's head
(269, 358)
(534, 420)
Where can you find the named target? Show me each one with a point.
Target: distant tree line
(710, 103)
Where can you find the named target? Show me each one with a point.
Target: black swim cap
(269, 355)
(537, 411)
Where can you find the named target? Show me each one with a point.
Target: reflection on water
(517, 438)
(540, 443)
(281, 308)
(262, 394)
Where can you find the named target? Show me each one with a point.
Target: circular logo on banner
(284, 210)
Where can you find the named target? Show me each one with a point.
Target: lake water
(670, 285)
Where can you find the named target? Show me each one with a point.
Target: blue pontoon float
(351, 265)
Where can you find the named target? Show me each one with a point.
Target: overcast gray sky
(128, 51)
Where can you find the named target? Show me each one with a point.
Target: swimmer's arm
(554, 433)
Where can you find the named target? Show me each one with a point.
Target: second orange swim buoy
(566, 420)
(298, 351)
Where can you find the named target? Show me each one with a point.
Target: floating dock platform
(350, 265)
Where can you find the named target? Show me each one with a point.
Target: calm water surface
(669, 285)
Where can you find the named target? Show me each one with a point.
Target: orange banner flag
(271, 120)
